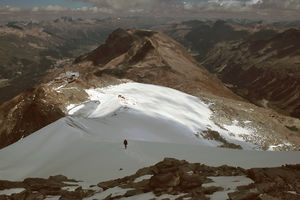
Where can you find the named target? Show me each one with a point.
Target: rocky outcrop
(118, 43)
(214, 135)
(26, 114)
(37, 108)
(173, 177)
(39, 188)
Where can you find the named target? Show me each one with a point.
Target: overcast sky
(279, 9)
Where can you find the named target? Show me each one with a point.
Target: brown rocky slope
(267, 72)
(257, 60)
(177, 179)
(152, 57)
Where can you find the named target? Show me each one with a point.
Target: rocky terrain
(146, 57)
(151, 57)
(257, 60)
(30, 49)
(267, 72)
(168, 179)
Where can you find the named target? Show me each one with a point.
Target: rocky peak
(119, 42)
(152, 57)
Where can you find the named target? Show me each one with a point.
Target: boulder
(133, 193)
(9, 184)
(109, 184)
(37, 184)
(191, 181)
(243, 195)
(165, 180)
(267, 197)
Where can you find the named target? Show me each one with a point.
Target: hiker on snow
(125, 143)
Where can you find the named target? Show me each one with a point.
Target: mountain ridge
(256, 60)
(267, 70)
(146, 56)
(150, 58)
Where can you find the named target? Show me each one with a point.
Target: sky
(42, 3)
(281, 9)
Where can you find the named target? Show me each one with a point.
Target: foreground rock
(39, 188)
(170, 178)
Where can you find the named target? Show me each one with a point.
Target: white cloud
(54, 8)
(212, 5)
(14, 9)
(93, 9)
(281, 9)
(122, 5)
(35, 9)
(255, 6)
(10, 8)
(187, 5)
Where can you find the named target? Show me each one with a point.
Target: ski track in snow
(158, 122)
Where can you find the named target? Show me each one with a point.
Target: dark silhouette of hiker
(125, 143)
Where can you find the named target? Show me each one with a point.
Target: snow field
(158, 122)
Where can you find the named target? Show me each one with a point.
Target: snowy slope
(158, 122)
(175, 116)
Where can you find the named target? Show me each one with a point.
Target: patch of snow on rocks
(274, 147)
(9, 192)
(229, 183)
(141, 178)
(151, 195)
(52, 197)
(116, 191)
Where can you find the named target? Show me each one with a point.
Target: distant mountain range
(258, 61)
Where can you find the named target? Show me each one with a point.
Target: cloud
(54, 8)
(130, 5)
(93, 9)
(197, 5)
(9, 9)
(276, 9)
(254, 8)
(278, 4)
(57, 8)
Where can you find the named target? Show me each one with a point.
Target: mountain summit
(152, 57)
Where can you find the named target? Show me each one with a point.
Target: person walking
(125, 143)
